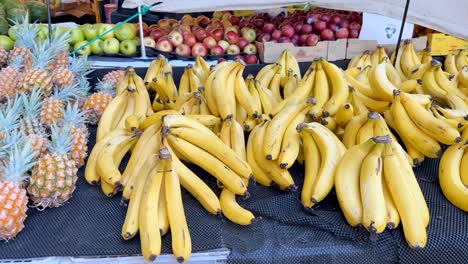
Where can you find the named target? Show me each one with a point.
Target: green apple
(76, 35)
(97, 47)
(6, 42)
(111, 46)
(84, 51)
(128, 47)
(137, 41)
(60, 30)
(126, 31)
(103, 28)
(90, 31)
(43, 31)
(11, 32)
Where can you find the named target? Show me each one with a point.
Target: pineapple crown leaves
(59, 41)
(10, 113)
(80, 65)
(42, 54)
(8, 141)
(21, 158)
(67, 93)
(17, 62)
(24, 32)
(32, 104)
(61, 139)
(105, 87)
(73, 115)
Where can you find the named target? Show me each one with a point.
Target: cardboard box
(331, 50)
(442, 44)
(357, 46)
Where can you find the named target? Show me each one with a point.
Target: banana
(359, 107)
(150, 237)
(450, 178)
(374, 213)
(108, 189)
(122, 84)
(344, 114)
(241, 114)
(143, 92)
(233, 211)
(106, 166)
(249, 123)
(163, 219)
(151, 72)
(430, 84)
(244, 98)
(392, 212)
(210, 163)
(409, 86)
(352, 72)
(360, 86)
(445, 82)
(225, 133)
(170, 88)
(404, 198)
(267, 98)
(266, 74)
(353, 62)
(199, 71)
(194, 81)
(277, 127)
(290, 144)
(392, 74)
(450, 65)
(275, 87)
(456, 102)
(290, 84)
(383, 88)
(206, 120)
(203, 64)
(330, 155)
(131, 224)
(408, 59)
(257, 103)
(180, 234)
(91, 175)
(224, 92)
(129, 109)
(361, 62)
(321, 91)
(208, 92)
(451, 122)
(397, 64)
(259, 175)
(215, 147)
(111, 115)
(175, 121)
(371, 104)
(156, 118)
(292, 64)
(238, 140)
(463, 77)
(464, 168)
(426, 121)
(461, 59)
(352, 129)
(184, 83)
(367, 130)
(339, 88)
(347, 181)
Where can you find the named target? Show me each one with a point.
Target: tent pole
(49, 19)
(403, 21)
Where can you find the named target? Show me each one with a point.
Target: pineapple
(63, 76)
(53, 106)
(97, 102)
(3, 56)
(9, 77)
(61, 60)
(25, 38)
(30, 126)
(9, 116)
(54, 176)
(13, 198)
(37, 77)
(75, 117)
(113, 76)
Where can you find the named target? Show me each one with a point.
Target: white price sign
(383, 29)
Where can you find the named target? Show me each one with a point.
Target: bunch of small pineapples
(43, 132)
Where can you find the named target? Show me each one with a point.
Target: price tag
(383, 29)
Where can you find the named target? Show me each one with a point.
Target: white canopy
(445, 16)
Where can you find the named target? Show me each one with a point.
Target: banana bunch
(453, 173)
(367, 58)
(376, 188)
(134, 100)
(463, 80)
(274, 76)
(455, 62)
(457, 119)
(409, 64)
(322, 152)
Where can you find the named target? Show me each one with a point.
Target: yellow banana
(360, 86)
(367, 130)
(352, 129)
(233, 211)
(259, 175)
(330, 123)
(152, 72)
(461, 59)
(450, 178)
(208, 93)
(238, 140)
(383, 88)
(321, 91)
(359, 107)
(430, 84)
(464, 168)
(292, 64)
(267, 98)
(290, 144)
(206, 120)
(392, 74)
(344, 114)
(225, 132)
(339, 88)
(266, 74)
(249, 123)
(275, 86)
(244, 98)
(450, 65)
(408, 58)
(111, 115)
(392, 212)
(163, 220)
(184, 83)
(290, 85)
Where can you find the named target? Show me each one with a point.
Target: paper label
(383, 29)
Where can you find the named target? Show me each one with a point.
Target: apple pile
(305, 28)
(201, 36)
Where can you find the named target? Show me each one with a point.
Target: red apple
(287, 31)
(183, 50)
(217, 50)
(251, 59)
(200, 34)
(298, 27)
(234, 20)
(264, 37)
(268, 28)
(249, 34)
(244, 22)
(221, 60)
(209, 42)
(156, 34)
(344, 24)
(239, 59)
(319, 26)
(217, 34)
(199, 50)
(284, 40)
(336, 19)
(353, 33)
(233, 49)
(217, 24)
(231, 37)
(295, 41)
(311, 40)
(332, 26)
(325, 17)
(354, 25)
(203, 21)
(176, 38)
(154, 26)
(231, 28)
(164, 45)
(342, 33)
(250, 49)
(258, 22)
(149, 42)
(276, 34)
(224, 44)
(164, 23)
(302, 39)
(306, 29)
(189, 39)
(327, 34)
(242, 42)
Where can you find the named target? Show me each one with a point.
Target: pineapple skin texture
(13, 207)
(95, 105)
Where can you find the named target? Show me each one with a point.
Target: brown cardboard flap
(357, 46)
